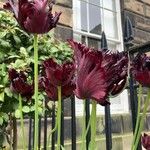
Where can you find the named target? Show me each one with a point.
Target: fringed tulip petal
(34, 16)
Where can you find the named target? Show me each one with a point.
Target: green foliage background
(16, 51)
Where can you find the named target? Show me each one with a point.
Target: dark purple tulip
(141, 69)
(91, 79)
(99, 73)
(34, 16)
(19, 84)
(145, 140)
(118, 62)
(52, 92)
(59, 75)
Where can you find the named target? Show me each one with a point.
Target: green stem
(59, 118)
(83, 126)
(142, 121)
(36, 91)
(93, 125)
(22, 122)
(138, 116)
(53, 130)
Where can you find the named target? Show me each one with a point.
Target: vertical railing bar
(53, 125)
(39, 138)
(128, 38)
(62, 124)
(108, 130)
(33, 132)
(45, 130)
(87, 117)
(73, 123)
(30, 134)
(133, 102)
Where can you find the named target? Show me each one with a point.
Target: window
(90, 18)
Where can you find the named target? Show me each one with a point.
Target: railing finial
(128, 32)
(104, 45)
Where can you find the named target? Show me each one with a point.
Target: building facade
(84, 21)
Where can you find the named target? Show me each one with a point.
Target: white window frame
(123, 107)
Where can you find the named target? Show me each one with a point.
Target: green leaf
(40, 110)
(2, 34)
(54, 50)
(8, 92)
(17, 39)
(17, 113)
(23, 52)
(5, 117)
(26, 109)
(1, 121)
(32, 108)
(2, 94)
(62, 147)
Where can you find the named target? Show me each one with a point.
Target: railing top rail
(142, 48)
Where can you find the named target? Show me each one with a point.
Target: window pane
(109, 4)
(112, 46)
(94, 43)
(110, 24)
(80, 15)
(79, 38)
(83, 16)
(95, 2)
(94, 19)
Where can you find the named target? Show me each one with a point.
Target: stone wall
(139, 13)
(63, 30)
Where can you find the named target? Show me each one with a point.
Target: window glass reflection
(94, 19)
(110, 24)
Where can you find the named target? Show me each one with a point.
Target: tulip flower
(51, 91)
(141, 69)
(34, 16)
(19, 84)
(145, 140)
(58, 75)
(119, 63)
(103, 72)
(99, 74)
(58, 79)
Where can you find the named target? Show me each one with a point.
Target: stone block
(63, 33)
(145, 1)
(127, 141)
(147, 11)
(67, 107)
(141, 36)
(67, 128)
(142, 23)
(135, 6)
(148, 121)
(67, 3)
(100, 125)
(117, 143)
(66, 17)
(116, 123)
(127, 123)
